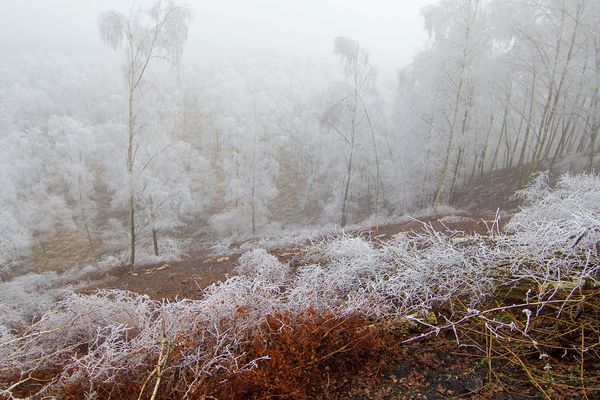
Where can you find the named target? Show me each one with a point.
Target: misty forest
(263, 224)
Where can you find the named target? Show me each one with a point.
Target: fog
(392, 30)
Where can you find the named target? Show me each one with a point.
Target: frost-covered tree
(147, 36)
(457, 39)
(50, 108)
(250, 143)
(556, 63)
(75, 146)
(348, 117)
(175, 181)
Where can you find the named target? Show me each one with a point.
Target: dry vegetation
(522, 302)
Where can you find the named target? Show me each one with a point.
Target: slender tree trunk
(460, 157)
(503, 130)
(442, 181)
(485, 148)
(425, 189)
(253, 201)
(550, 110)
(131, 233)
(595, 129)
(253, 183)
(457, 166)
(346, 188)
(472, 14)
(474, 167)
(155, 241)
(513, 152)
(82, 210)
(592, 149)
(378, 180)
(569, 130)
(523, 155)
(131, 183)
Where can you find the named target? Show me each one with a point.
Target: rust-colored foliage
(309, 356)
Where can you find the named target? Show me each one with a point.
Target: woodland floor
(432, 369)
(435, 369)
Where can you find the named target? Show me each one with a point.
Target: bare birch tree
(349, 116)
(147, 36)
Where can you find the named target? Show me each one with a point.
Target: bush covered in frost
(556, 235)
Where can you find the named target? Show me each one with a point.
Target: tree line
(150, 143)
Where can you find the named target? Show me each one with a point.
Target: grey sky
(391, 29)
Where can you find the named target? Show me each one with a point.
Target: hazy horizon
(392, 31)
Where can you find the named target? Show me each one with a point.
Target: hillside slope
(428, 312)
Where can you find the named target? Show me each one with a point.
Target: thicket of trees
(127, 150)
(503, 84)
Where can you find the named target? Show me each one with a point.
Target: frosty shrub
(341, 276)
(404, 275)
(432, 268)
(72, 322)
(27, 296)
(556, 233)
(123, 334)
(242, 300)
(262, 265)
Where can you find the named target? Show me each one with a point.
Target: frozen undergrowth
(298, 237)
(553, 238)
(558, 228)
(170, 250)
(26, 297)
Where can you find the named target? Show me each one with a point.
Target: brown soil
(183, 279)
(492, 192)
(60, 252)
(435, 369)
